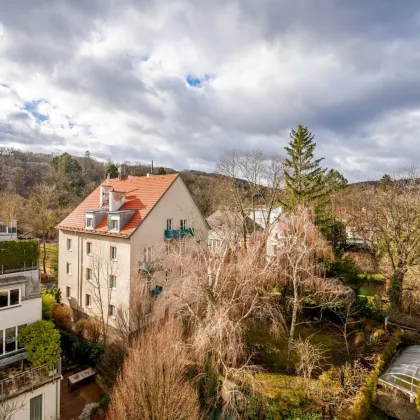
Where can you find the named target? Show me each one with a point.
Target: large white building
(27, 393)
(115, 232)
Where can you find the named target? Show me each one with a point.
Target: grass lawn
(372, 277)
(52, 260)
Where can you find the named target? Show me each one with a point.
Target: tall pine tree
(305, 179)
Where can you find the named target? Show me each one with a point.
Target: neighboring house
(8, 233)
(33, 392)
(262, 218)
(356, 233)
(114, 234)
(227, 227)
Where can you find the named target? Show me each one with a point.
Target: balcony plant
(42, 343)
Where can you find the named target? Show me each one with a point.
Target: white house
(114, 232)
(30, 393)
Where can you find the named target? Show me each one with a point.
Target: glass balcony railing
(178, 233)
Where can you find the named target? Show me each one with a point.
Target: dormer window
(89, 222)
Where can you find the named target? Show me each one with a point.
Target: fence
(28, 380)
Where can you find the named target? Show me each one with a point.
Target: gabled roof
(142, 194)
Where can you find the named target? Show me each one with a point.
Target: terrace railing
(28, 380)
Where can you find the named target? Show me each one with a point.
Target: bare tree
(130, 320)
(254, 183)
(9, 407)
(300, 250)
(346, 312)
(309, 357)
(153, 383)
(43, 206)
(389, 218)
(102, 268)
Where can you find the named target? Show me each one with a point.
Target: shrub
(418, 400)
(56, 292)
(104, 403)
(88, 411)
(89, 329)
(42, 343)
(63, 317)
(19, 254)
(48, 303)
(362, 403)
(87, 353)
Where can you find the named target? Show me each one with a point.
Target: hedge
(15, 255)
(361, 406)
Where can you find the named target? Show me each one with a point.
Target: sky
(180, 81)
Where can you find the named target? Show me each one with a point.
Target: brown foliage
(89, 329)
(63, 317)
(153, 382)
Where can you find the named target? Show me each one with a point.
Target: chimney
(122, 171)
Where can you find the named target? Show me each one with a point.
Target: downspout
(78, 276)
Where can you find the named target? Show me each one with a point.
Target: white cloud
(113, 79)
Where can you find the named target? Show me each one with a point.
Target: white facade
(21, 304)
(8, 233)
(93, 263)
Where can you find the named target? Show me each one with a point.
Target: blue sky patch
(32, 108)
(195, 81)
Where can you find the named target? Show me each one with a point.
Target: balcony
(179, 233)
(18, 380)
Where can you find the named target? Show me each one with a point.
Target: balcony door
(36, 408)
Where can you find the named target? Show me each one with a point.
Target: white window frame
(111, 252)
(68, 292)
(115, 228)
(111, 311)
(169, 224)
(8, 299)
(88, 276)
(69, 244)
(183, 223)
(88, 248)
(68, 268)
(88, 300)
(3, 339)
(90, 218)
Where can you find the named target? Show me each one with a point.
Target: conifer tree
(305, 179)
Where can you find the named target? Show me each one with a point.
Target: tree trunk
(44, 257)
(294, 315)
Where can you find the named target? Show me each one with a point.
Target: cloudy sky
(181, 81)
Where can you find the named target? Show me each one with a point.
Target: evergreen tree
(305, 179)
(161, 171)
(112, 170)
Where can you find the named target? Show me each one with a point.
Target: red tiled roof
(142, 193)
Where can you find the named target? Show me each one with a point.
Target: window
(147, 254)
(167, 275)
(68, 269)
(18, 331)
(88, 300)
(10, 339)
(114, 224)
(9, 298)
(88, 274)
(68, 244)
(89, 248)
(1, 342)
(169, 224)
(68, 292)
(89, 222)
(183, 223)
(112, 281)
(4, 298)
(111, 311)
(113, 253)
(14, 297)
(35, 408)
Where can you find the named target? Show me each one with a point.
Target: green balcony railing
(178, 233)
